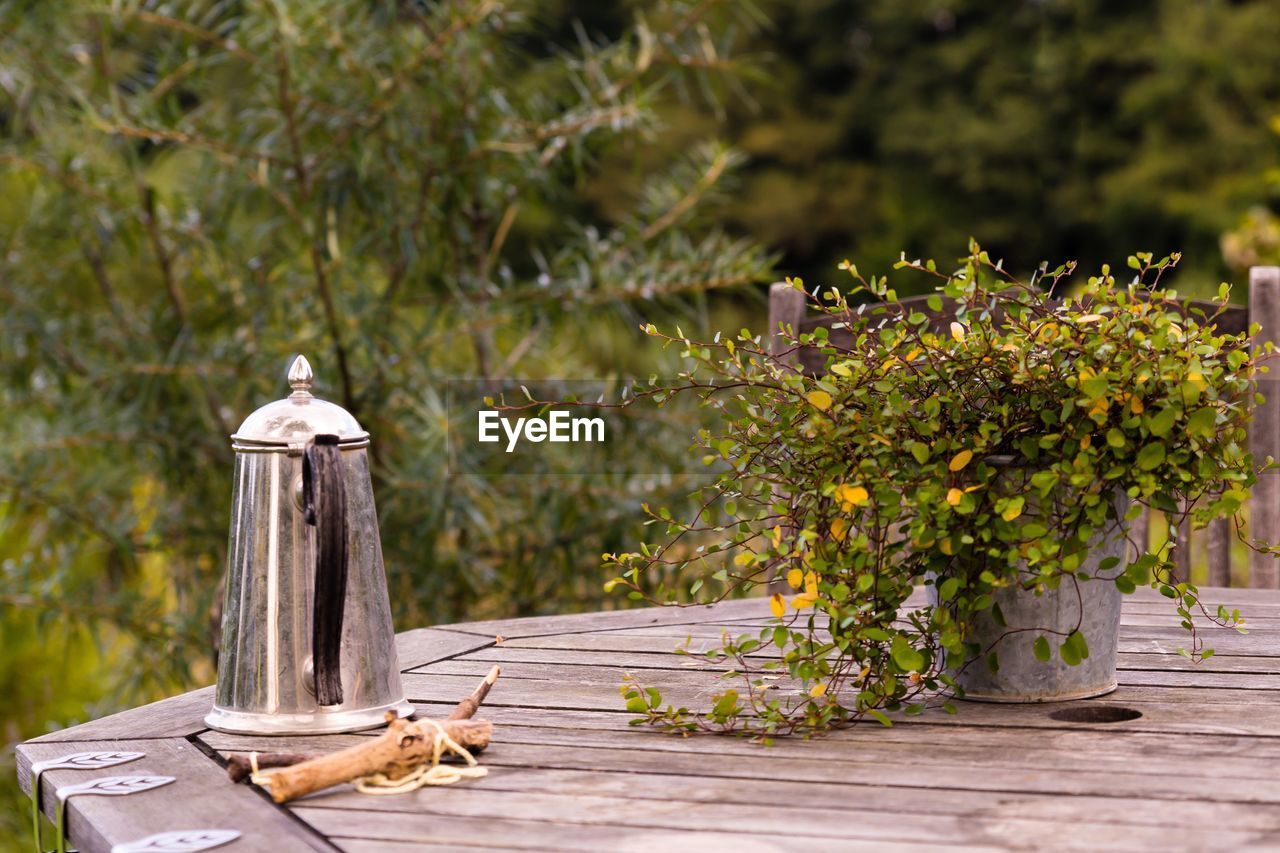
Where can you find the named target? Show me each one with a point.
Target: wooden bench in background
(788, 310)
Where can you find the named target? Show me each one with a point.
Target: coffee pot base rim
(313, 723)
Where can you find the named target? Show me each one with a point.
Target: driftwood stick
(396, 752)
(467, 707)
(240, 767)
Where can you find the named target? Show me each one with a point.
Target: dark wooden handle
(324, 499)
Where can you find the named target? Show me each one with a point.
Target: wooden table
(1199, 769)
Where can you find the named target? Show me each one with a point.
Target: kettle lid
(293, 420)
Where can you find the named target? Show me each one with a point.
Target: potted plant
(994, 458)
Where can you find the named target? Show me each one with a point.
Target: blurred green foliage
(1050, 129)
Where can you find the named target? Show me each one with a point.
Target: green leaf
(880, 717)
(1202, 423)
(947, 590)
(1150, 456)
(1081, 645)
(1074, 649)
(1041, 649)
(907, 658)
(1069, 655)
(726, 705)
(1160, 423)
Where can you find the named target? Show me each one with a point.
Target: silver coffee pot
(307, 641)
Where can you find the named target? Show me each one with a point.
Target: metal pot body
(1093, 604)
(265, 680)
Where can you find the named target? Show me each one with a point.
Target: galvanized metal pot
(1093, 604)
(308, 645)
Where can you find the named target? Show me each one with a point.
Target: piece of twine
(422, 776)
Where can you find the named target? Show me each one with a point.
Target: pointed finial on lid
(300, 377)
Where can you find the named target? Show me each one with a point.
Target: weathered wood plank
(781, 795)
(1182, 544)
(426, 645)
(177, 716)
(365, 845)
(1165, 641)
(1264, 432)
(534, 626)
(584, 833)
(673, 672)
(548, 835)
(612, 821)
(1024, 744)
(639, 660)
(200, 798)
(787, 307)
(1202, 709)
(1233, 763)
(1218, 538)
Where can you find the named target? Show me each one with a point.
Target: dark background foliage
(412, 192)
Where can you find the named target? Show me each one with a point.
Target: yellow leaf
(818, 689)
(911, 356)
(1012, 512)
(775, 604)
(746, 558)
(851, 496)
(795, 577)
(819, 399)
(954, 496)
(803, 600)
(960, 460)
(957, 331)
(811, 584)
(839, 529)
(944, 545)
(1135, 406)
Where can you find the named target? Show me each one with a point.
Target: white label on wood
(114, 786)
(180, 841)
(85, 761)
